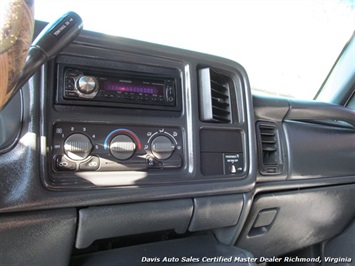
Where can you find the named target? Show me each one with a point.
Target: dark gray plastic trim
(216, 212)
(279, 109)
(37, 238)
(319, 151)
(269, 108)
(129, 219)
(308, 111)
(317, 138)
(305, 217)
(341, 247)
(10, 122)
(229, 235)
(180, 251)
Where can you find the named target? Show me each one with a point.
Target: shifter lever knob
(52, 39)
(58, 35)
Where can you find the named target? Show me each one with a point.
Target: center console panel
(118, 118)
(114, 137)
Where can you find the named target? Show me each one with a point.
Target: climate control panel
(101, 147)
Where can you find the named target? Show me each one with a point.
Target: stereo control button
(162, 147)
(77, 146)
(122, 147)
(69, 87)
(72, 73)
(71, 94)
(69, 81)
(69, 84)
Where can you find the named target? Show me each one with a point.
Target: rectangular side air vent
(214, 96)
(270, 162)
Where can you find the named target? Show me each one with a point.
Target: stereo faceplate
(156, 89)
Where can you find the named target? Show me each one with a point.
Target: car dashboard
(132, 151)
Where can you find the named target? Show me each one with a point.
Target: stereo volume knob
(77, 146)
(87, 84)
(162, 147)
(122, 147)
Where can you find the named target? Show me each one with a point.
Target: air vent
(270, 162)
(214, 96)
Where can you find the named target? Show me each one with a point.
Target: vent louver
(214, 96)
(270, 162)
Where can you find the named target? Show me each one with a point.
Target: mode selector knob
(87, 85)
(77, 146)
(162, 147)
(122, 147)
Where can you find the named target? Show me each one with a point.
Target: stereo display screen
(133, 86)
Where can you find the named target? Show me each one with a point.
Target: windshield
(287, 47)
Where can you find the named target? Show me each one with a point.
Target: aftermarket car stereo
(78, 85)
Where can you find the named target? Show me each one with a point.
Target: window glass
(286, 46)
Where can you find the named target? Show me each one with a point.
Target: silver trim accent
(189, 126)
(85, 83)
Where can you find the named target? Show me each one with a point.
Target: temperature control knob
(77, 146)
(122, 147)
(87, 85)
(162, 147)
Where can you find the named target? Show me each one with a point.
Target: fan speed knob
(77, 146)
